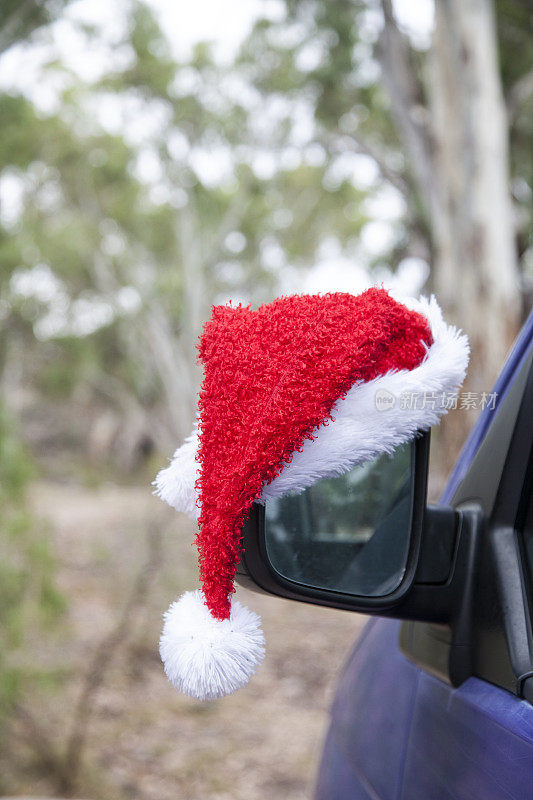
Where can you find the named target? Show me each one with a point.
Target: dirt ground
(144, 740)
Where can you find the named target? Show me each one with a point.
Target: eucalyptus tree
(436, 114)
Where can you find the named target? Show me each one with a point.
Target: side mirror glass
(349, 542)
(348, 534)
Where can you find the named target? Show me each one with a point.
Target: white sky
(225, 24)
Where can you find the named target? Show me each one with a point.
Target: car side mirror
(354, 541)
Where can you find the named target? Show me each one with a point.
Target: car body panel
(399, 733)
(370, 719)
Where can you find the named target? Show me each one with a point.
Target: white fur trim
(359, 430)
(176, 483)
(206, 657)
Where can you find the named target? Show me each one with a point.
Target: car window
(526, 529)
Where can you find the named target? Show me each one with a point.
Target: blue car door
(400, 728)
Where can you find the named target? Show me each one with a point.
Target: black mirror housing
(432, 541)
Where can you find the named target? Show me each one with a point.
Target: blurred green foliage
(131, 229)
(18, 20)
(125, 236)
(30, 602)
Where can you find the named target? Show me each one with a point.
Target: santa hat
(289, 397)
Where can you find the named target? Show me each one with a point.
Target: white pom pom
(206, 657)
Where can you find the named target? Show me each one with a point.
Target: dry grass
(143, 739)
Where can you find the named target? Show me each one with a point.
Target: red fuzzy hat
(288, 398)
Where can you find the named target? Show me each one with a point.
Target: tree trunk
(457, 148)
(475, 269)
(476, 272)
